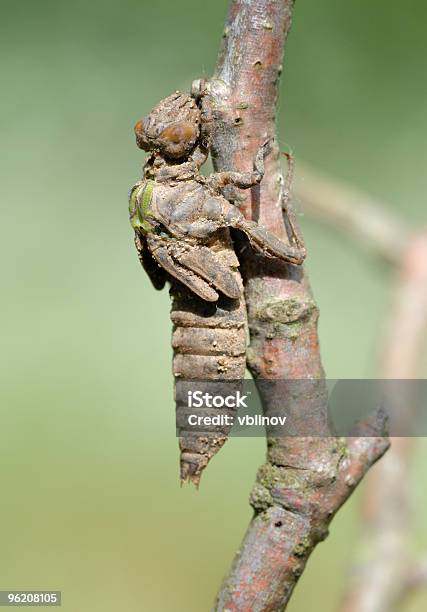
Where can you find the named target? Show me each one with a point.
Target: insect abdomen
(210, 348)
(209, 343)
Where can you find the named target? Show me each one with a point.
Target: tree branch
(381, 580)
(305, 480)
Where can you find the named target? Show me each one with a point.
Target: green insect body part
(140, 199)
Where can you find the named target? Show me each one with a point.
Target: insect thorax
(140, 199)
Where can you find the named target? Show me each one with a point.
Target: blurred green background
(91, 502)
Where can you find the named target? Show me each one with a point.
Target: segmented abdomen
(209, 343)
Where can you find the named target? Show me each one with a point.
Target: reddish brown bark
(305, 480)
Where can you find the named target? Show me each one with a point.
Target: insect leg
(267, 243)
(263, 240)
(288, 211)
(244, 180)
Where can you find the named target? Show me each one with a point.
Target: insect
(182, 226)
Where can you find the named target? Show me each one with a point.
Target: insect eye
(142, 139)
(139, 128)
(179, 132)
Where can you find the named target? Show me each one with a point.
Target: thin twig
(380, 579)
(305, 480)
(365, 219)
(417, 577)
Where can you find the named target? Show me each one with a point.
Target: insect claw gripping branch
(182, 227)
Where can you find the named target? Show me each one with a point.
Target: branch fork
(304, 481)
